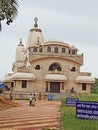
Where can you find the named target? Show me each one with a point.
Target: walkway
(43, 116)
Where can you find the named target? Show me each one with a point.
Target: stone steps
(44, 115)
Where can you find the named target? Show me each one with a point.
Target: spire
(20, 51)
(20, 40)
(35, 36)
(36, 19)
(20, 43)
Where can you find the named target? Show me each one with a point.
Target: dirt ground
(6, 103)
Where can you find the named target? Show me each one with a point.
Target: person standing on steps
(30, 99)
(33, 100)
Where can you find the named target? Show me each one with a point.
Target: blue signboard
(87, 110)
(71, 101)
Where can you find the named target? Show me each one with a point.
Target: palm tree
(8, 11)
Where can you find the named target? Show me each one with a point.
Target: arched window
(37, 67)
(63, 50)
(73, 69)
(49, 49)
(54, 67)
(35, 49)
(55, 50)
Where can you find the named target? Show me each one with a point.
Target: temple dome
(35, 36)
(20, 52)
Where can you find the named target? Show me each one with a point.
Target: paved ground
(44, 115)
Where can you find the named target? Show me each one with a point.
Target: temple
(47, 66)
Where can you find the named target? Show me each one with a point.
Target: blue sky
(73, 21)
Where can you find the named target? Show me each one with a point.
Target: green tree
(94, 88)
(8, 11)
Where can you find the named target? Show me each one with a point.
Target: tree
(8, 11)
(94, 88)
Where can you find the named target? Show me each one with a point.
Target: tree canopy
(8, 11)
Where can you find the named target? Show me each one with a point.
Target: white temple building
(51, 66)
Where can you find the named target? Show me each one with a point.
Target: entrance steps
(45, 115)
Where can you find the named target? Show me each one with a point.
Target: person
(11, 96)
(34, 96)
(30, 99)
(33, 100)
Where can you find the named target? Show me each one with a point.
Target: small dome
(20, 52)
(35, 36)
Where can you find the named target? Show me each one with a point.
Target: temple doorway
(55, 87)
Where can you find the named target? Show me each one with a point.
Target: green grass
(69, 120)
(88, 97)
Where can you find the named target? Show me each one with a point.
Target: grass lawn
(69, 120)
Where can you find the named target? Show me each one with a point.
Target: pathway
(44, 115)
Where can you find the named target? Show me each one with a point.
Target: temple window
(69, 51)
(24, 83)
(35, 49)
(63, 50)
(56, 50)
(54, 67)
(73, 69)
(62, 85)
(37, 67)
(49, 49)
(73, 52)
(83, 86)
(40, 49)
(12, 84)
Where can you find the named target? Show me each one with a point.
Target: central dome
(35, 36)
